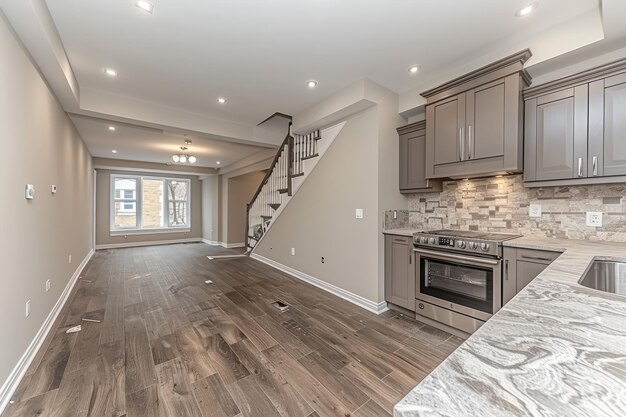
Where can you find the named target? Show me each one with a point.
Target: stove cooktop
(469, 234)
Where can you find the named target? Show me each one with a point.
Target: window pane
(125, 219)
(177, 190)
(125, 188)
(177, 213)
(152, 203)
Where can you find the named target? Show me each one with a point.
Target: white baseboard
(15, 377)
(224, 244)
(155, 242)
(376, 308)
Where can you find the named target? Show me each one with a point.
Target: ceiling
(138, 143)
(174, 64)
(259, 54)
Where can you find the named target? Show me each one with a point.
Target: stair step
(296, 175)
(310, 156)
(283, 190)
(274, 205)
(266, 217)
(317, 138)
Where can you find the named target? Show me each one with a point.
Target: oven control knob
(461, 244)
(484, 247)
(433, 240)
(424, 240)
(473, 245)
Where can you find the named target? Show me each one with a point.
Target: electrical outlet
(594, 218)
(69, 259)
(358, 213)
(323, 260)
(47, 285)
(534, 210)
(293, 251)
(27, 308)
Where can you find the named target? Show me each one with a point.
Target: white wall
(210, 208)
(40, 146)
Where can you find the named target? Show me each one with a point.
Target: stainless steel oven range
(459, 276)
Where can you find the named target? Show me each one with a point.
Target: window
(142, 204)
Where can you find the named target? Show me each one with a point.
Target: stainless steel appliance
(459, 276)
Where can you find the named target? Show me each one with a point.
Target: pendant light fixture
(184, 157)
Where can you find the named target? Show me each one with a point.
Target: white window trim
(165, 228)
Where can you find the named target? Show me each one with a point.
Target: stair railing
(287, 164)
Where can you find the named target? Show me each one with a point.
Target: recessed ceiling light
(414, 69)
(114, 151)
(145, 5)
(218, 162)
(221, 100)
(112, 128)
(311, 83)
(110, 72)
(524, 11)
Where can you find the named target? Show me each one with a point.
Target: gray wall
(319, 220)
(241, 189)
(210, 209)
(40, 146)
(103, 208)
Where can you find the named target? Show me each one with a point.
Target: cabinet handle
(580, 167)
(595, 165)
(506, 270)
(410, 257)
(470, 140)
(536, 258)
(461, 143)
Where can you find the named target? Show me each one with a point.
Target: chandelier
(183, 157)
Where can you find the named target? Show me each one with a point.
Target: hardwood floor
(165, 344)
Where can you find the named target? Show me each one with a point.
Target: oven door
(470, 285)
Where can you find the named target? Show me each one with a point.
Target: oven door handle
(458, 258)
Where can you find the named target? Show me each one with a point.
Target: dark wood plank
(175, 391)
(144, 403)
(108, 397)
(40, 406)
(251, 399)
(322, 400)
(371, 409)
(213, 398)
(224, 360)
(285, 398)
(194, 356)
(139, 364)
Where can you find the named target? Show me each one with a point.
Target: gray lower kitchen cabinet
(522, 266)
(412, 160)
(575, 129)
(474, 123)
(399, 271)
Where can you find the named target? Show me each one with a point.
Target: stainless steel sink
(607, 276)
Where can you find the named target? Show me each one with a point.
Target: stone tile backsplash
(501, 205)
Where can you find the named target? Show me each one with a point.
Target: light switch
(29, 192)
(53, 189)
(534, 210)
(358, 213)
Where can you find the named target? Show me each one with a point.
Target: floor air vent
(281, 305)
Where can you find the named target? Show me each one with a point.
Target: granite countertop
(400, 232)
(556, 349)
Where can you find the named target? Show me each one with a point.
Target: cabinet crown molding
(412, 127)
(584, 77)
(498, 69)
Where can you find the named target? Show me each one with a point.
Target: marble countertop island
(556, 349)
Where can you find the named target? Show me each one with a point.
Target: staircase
(295, 159)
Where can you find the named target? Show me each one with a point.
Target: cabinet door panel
(399, 274)
(485, 119)
(526, 272)
(448, 121)
(615, 130)
(415, 155)
(555, 140)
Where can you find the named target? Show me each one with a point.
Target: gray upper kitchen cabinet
(575, 129)
(556, 135)
(399, 271)
(474, 123)
(412, 160)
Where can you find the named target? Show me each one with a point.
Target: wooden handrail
(286, 142)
